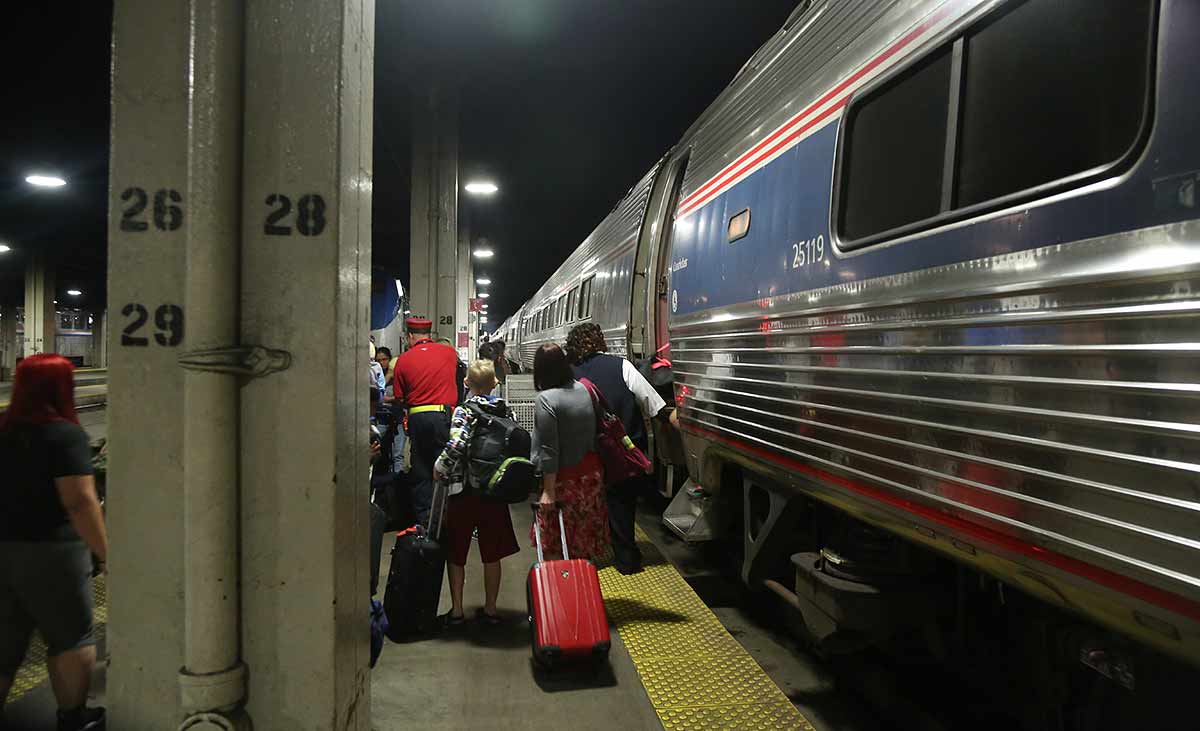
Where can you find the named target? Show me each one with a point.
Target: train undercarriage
(926, 638)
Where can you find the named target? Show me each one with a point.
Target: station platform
(673, 665)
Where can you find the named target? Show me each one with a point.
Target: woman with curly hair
(629, 395)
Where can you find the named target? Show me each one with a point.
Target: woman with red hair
(49, 519)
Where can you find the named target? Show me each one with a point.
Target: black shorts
(44, 586)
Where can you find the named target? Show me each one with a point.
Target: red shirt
(427, 374)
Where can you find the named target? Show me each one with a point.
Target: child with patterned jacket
(468, 512)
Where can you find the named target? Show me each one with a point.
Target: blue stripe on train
(789, 205)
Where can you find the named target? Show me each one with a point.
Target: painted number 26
(808, 252)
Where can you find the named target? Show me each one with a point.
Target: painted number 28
(808, 252)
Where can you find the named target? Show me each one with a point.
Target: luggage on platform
(414, 583)
(566, 611)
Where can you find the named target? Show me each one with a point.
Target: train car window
(1052, 88)
(585, 298)
(562, 310)
(571, 302)
(739, 225)
(892, 160)
(1038, 95)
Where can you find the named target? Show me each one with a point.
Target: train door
(660, 309)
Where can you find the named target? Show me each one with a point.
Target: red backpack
(621, 458)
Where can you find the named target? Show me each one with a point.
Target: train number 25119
(808, 252)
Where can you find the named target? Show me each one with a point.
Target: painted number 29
(808, 252)
(168, 323)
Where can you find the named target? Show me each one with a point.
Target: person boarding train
(629, 395)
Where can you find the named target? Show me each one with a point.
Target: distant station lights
(74, 292)
(45, 181)
(5, 248)
(484, 295)
(484, 253)
(481, 187)
(483, 282)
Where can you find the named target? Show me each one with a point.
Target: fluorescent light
(485, 305)
(45, 181)
(483, 318)
(484, 295)
(484, 253)
(74, 292)
(5, 248)
(483, 282)
(481, 187)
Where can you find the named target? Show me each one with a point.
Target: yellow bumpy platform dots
(696, 675)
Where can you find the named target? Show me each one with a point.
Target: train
(928, 275)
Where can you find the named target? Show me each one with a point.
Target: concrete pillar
(147, 277)
(308, 126)
(433, 240)
(473, 325)
(248, 536)
(9, 345)
(462, 295)
(100, 338)
(40, 319)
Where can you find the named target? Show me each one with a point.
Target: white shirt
(647, 398)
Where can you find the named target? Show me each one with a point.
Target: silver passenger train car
(929, 276)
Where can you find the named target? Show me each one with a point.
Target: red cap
(419, 324)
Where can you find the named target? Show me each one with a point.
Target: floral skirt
(580, 489)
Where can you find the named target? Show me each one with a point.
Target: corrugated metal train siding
(1068, 418)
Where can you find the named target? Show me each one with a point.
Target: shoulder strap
(599, 405)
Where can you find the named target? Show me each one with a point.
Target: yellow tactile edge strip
(696, 675)
(32, 672)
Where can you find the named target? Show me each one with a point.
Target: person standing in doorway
(49, 519)
(629, 395)
(425, 382)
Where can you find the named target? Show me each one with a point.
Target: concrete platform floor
(482, 677)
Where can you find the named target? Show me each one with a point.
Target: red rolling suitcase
(566, 610)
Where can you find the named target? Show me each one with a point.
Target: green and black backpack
(498, 464)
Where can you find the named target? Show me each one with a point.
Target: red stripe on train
(686, 205)
(1111, 579)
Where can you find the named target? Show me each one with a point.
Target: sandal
(449, 621)
(489, 619)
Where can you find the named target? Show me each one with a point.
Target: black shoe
(449, 621)
(489, 620)
(81, 719)
(627, 569)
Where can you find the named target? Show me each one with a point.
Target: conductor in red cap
(425, 380)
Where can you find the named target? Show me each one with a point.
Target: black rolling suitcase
(414, 583)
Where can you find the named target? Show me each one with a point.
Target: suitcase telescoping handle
(537, 533)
